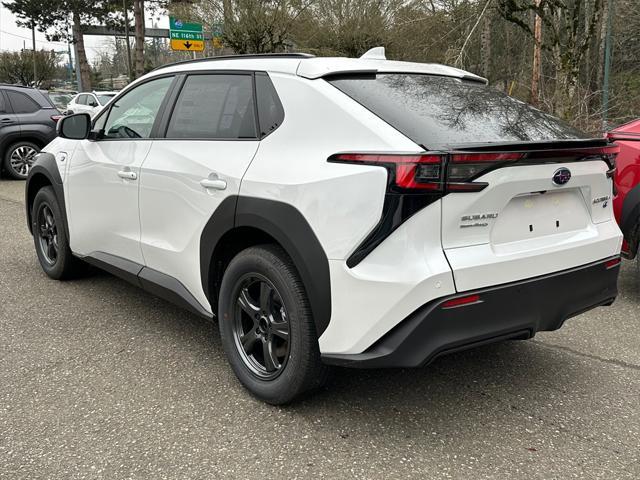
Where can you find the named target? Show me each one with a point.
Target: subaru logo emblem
(561, 176)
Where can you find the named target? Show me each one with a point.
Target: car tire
(267, 328)
(50, 238)
(18, 159)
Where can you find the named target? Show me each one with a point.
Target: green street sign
(217, 30)
(185, 36)
(177, 24)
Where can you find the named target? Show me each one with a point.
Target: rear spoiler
(534, 146)
(559, 151)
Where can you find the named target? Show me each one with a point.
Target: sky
(15, 38)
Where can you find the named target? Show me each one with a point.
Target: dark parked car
(27, 123)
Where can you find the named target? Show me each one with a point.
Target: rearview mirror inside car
(75, 127)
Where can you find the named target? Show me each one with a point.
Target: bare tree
(566, 37)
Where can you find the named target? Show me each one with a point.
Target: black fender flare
(290, 229)
(45, 165)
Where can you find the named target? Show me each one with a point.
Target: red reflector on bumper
(459, 302)
(614, 262)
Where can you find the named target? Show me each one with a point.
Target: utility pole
(35, 67)
(537, 57)
(126, 33)
(607, 69)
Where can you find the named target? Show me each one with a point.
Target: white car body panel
(485, 265)
(62, 150)
(291, 166)
(174, 206)
(102, 206)
(533, 233)
(406, 271)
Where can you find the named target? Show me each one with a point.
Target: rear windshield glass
(443, 112)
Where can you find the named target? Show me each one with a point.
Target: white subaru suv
(332, 211)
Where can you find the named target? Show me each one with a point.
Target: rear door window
(81, 100)
(214, 106)
(21, 103)
(270, 111)
(3, 104)
(442, 112)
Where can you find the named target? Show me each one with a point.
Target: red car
(626, 202)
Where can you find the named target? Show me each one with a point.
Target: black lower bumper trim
(514, 310)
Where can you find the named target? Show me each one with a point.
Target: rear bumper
(514, 310)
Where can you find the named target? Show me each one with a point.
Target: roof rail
(237, 57)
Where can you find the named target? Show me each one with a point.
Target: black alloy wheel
(261, 327)
(50, 237)
(267, 328)
(47, 234)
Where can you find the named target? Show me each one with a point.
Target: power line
(28, 38)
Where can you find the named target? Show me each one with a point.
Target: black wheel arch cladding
(287, 226)
(45, 168)
(630, 217)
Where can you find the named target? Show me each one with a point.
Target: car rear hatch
(539, 207)
(522, 193)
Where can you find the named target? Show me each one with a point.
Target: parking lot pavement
(101, 380)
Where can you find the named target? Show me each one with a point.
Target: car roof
(39, 96)
(311, 67)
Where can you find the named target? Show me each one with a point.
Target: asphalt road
(101, 380)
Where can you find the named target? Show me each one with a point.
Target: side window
(91, 101)
(133, 115)
(21, 103)
(81, 100)
(270, 111)
(214, 107)
(3, 104)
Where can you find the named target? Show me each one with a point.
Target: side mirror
(75, 127)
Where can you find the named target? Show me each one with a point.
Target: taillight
(407, 172)
(463, 168)
(436, 172)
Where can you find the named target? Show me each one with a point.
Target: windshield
(442, 112)
(103, 99)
